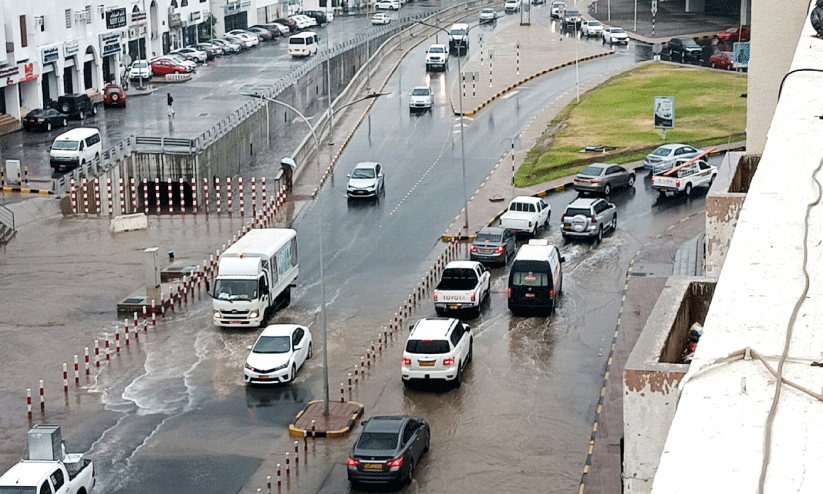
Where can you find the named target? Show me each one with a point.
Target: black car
(44, 119)
(493, 244)
(318, 16)
(76, 105)
(388, 449)
(684, 50)
(289, 23)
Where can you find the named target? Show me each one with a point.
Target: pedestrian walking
(288, 165)
(170, 100)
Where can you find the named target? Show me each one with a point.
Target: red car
(734, 34)
(114, 95)
(163, 67)
(722, 60)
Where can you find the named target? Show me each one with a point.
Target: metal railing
(7, 218)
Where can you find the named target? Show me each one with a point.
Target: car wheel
(471, 352)
(631, 180)
(459, 379)
(688, 190)
(682, 58)
(65, 122)
(607, 189)
(600, 234)
(311, 352)
(548, 217)
(428, 442)
(82, 115)
(293, 373)
(614, 223)
(48, 126)
(410, 475)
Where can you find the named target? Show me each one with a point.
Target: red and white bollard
(86, 356)
(145, 196)
(170, 195)
(76, 371)
(122, 196)
(279, 477)
(288, 465)
(296, 454)
(228, 195)
(65, 378)
(342, 393)
(182, 196)
(313, 429)
(217, 194)
(242, 199)
(73, 194)
(153, 313)
(253, 197)
(28, 402)
(117, 340)
(97, 199)
(157, 195)
(206, 195)
(194, 196)
(133, 189)
(108, 352)
(42, 397)
(97, 353)
(85, 185)
(263, 195)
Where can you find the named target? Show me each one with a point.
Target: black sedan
(388, 449)
(44, 119)
(493, 244)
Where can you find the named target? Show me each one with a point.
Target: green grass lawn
(709, 110)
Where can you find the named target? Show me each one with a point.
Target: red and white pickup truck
(49, 468)
(465, 285)
(685, 175)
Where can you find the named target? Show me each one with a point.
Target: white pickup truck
(526, 214)
(464, 285)
(49, 468)
(684, 176)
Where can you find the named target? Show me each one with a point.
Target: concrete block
(128, 222)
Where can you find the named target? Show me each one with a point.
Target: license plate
(361, 192)
(454, 307)
(373, 466)
(236, 322)
(529, 295)
(426, 364)
(567, 227)
(263, 377)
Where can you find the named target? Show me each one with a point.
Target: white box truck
(254, 275)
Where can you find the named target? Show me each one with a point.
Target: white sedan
(280, 350)
(366, 180)
(615, 35)
(387, 5)
(421, 98)
(380, 18)
(246, 36)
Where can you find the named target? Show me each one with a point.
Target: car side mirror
(349, 175)
(562, 258)
(411, 327)
(248, 347)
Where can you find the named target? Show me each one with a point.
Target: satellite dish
(657, 48)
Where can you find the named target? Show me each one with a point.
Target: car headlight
(253, 314)
(217, 315)
(281, 367)
(250, 367)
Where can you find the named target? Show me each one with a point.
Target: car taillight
(501, 249)
(448, 362)
(406, 361)
(474, 296)
(473, 248)
(551, 293)
(652, 179)
(352, 462)
(594, 219)
(510, 292)
(435, 295)
(397, 463)
(563, 219)
(678, 183)
(596, 181)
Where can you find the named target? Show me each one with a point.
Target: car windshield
(690, 43)
(420, 92)
(436, 49)
(488, 11)
(272, 344)
(522, 207)
(297, 41)
(577, 211)
(113, 90)
(235, 289)
(592, 171)
(617, 30)
(488, 237)
(529, 278)
(37, 113)
(363, 173)
(594, 24)
(378, 440)
(662, 151)
(66, 145)
(140, 65)
(458, 32)
(572, 13)
(428, 347)
(458, 279)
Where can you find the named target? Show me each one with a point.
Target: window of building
(24, 37)
(68, 18)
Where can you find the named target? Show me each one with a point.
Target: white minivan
(75, 148)
(303, 44)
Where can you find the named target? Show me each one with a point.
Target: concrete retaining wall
(651, 376)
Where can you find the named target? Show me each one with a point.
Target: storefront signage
(195, 16)
(71, 48)
(19, 73)
(232, 7)
(50, 54)
(245, 4)
(109, 43)
(138, 17)
(115, 18)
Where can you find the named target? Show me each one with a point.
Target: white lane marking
(509, 95)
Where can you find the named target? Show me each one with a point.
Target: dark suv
(684, 50)
(318, 16)
(76, 105)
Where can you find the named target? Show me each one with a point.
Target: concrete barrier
(178, 77)
(128, 222)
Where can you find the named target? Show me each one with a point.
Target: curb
(25, 190)
(295, 432)
(523, 81)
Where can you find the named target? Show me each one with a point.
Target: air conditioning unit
(79, 15)
(38, 21)
(132, 33)
(100, 10)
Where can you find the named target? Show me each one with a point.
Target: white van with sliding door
(303, 44)
(75, 148)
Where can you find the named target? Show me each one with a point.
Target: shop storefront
(236, 15)
(49, 84)
(138, 30)
(70, 66)
(110, 54)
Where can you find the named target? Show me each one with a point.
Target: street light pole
(462, 117)
(322, 276)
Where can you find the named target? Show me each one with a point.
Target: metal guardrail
(7, 217)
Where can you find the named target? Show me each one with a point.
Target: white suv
(438, 348)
